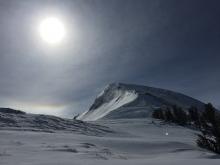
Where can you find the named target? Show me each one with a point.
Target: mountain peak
(120, 100)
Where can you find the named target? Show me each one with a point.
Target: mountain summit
(119, 100)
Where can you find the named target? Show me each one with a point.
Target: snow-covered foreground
(135, 141)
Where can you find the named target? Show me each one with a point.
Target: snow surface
(12, 120)
(119, 137)
(119, 100)
(134, 142)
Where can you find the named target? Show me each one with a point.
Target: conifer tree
(168, 115)
(210, 128)
(180, 116)
(194, 116)
(158, 114)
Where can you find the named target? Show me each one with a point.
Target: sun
(52, 30)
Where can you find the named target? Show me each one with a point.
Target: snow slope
(134, 142)
(119, 100)
(27, 139)
(11, 119)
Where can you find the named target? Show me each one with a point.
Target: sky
(167, 44)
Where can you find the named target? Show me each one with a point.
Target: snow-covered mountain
(43, 139)
(120, 100)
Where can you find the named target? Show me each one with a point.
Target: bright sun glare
(52, 30)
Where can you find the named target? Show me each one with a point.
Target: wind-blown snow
(134, 101)
(17, 120)
(120, 98)
(27, 139)
(134, 142)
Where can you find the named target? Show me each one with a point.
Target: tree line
(207, 121)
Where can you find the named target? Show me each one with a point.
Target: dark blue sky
(169, 44)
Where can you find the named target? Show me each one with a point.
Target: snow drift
(11, 119)
(120, 100)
